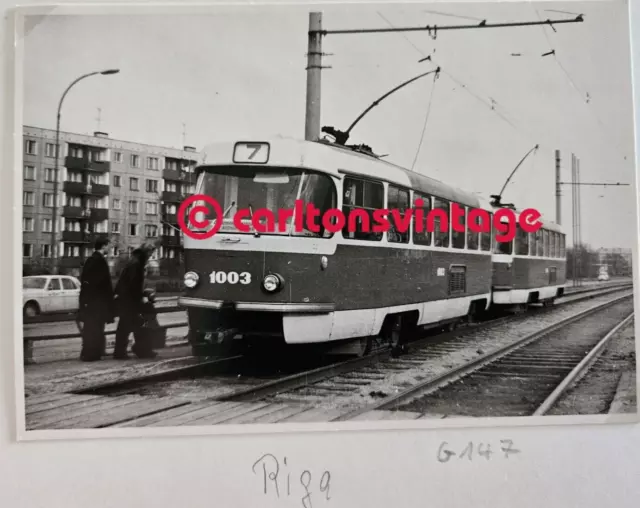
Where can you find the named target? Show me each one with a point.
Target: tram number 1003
(229, 278)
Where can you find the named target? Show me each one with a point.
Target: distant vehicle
(49, 294)
(603, 275)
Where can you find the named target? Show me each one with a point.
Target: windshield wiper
(255, 231)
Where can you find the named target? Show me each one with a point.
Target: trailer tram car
(346, 288)
(531, 269)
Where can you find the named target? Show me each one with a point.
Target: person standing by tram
(96, 307)
(130, 300)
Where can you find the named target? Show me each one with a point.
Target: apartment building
(127, 191)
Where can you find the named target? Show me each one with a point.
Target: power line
(585, 97)
(426, 119)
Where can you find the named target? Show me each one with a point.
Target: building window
(135, 161)
(151, 185)
(29, 173)
(27, 198)
(170, 209)
(115, 227)
(46, 225)
(151, 208)
(46, 251)
(27, 224)
(27, 250)
(133, 207)
(171, 187)
(133, 229)
(151, 230)
(116, 181)
(171, 164)
(30, 147)
(48, 174)
(71, 251)
(74, 201)
(117, 157)
(75, 151)
(116, 204)
(49, 150)
(47, 200)
(74, 176)
(133, 184)
(152, 163)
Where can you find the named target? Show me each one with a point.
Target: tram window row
(368, 196)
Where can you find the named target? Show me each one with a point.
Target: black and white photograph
(242, 218)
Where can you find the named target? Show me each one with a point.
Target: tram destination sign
(248, 152)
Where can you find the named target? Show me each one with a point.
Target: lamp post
(54, 249)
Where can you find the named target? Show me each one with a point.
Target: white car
(44, 294)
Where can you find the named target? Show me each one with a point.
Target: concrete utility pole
(314, 70)
(558, 190)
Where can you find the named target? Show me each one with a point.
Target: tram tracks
(524, 378)
(356, 390)
(235, 378)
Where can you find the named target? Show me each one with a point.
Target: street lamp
(54, 249)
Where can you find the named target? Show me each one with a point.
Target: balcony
(171, 174)
(170, 218)
(93, 214)
(74, 237)
(80, 188)
(172, 197)
(170, 241)
(85, 164)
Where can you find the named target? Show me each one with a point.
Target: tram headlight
(272, 283)
(191, 279)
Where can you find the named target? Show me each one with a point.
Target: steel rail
(436, 383)
(581, 368)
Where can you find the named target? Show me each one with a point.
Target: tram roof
(339, 161)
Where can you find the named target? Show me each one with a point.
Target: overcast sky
(239, 73)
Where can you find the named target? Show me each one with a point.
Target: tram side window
(532, 244)
(545, 240)
(502, 247)
(473, 239)
(398, 199)
(360, 199)
(458, 238)
(485, 238)
(539, 244)
(422, 236)
(522, 241)
(440, 213)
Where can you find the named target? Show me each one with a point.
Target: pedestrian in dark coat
(96, 302)
(130, 300)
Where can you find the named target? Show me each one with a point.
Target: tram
(304, 286)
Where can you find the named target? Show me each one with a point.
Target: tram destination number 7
(252, 153)
(229, 277)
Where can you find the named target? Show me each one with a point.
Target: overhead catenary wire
(426, 120)
(585, 97)
(457, 81)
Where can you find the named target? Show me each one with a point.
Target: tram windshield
(267, 193)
